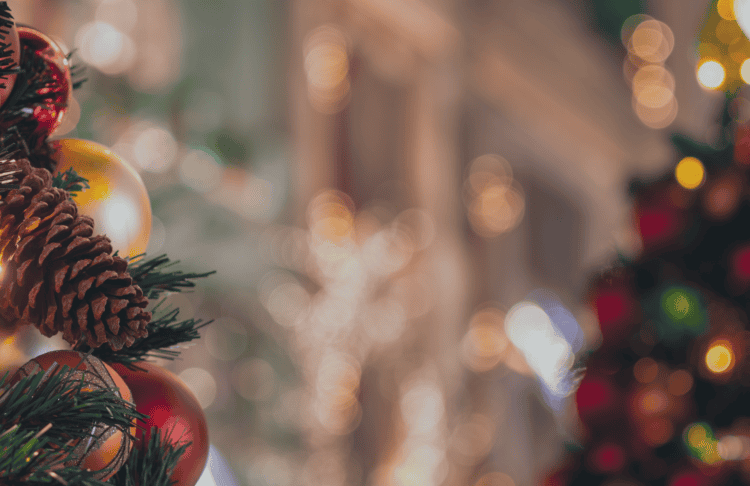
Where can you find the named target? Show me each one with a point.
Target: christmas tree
(100, 412)
(665, 399)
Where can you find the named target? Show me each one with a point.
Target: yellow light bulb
(720, 358)
(711, 74)
(690, 173)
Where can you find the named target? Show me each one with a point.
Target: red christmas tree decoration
(173, 410)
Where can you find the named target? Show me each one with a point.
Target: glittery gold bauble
(111, 447)
(117, 198)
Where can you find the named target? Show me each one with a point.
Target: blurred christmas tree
(665, 398)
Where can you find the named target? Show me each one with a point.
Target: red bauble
(173, 409)
(48, 113)
(112, 447)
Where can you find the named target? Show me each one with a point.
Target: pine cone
(55, 273)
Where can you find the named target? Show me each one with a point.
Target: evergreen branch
(70, 181)
(42, 419)
(154, 466)
(164, 333)
(154, 279)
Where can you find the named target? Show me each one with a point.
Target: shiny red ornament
(112, 447)
(173, 409)
(48, 113)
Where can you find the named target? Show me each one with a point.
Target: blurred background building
(403, 200)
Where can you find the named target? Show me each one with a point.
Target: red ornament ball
(112, 447)
(173, 409)
(48, 113)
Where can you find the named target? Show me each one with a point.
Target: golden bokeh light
(652, 75)
(690, 173)
(745, 71)
(652, 41)
(726, 9)
(497, 209)
(659, 117)
(330, 217)
(487, 170)
(720, 357)
(653, 402)
(711, 74)
(739, 49)
(629, 26)
(473, 440)
(326, 65)
(483, 345)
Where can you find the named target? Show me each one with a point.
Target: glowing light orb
(690, 173)
(711, 74)
(720, 357)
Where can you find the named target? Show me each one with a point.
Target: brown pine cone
(55, 273)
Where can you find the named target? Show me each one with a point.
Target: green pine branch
(152, 467)
(71, 182)
(165, 333)
(42, 417)
(154, 276)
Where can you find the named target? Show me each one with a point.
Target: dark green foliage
(154, 277)
(70, 181)
(40, 417)
(152, 467)
(164, 334)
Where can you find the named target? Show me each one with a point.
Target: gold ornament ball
(117, 198)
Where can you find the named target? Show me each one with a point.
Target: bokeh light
(652, 41)
(720, 357)
(531, 330)
(680, 382)
(495, 202)
(154, 149)
(701, 442)
(106, 48)
(725, 9)
(645, 370)
(690, 173)
(201, 170)
(711, 74)
(484, 343)
(326, 65)
(201, 383)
